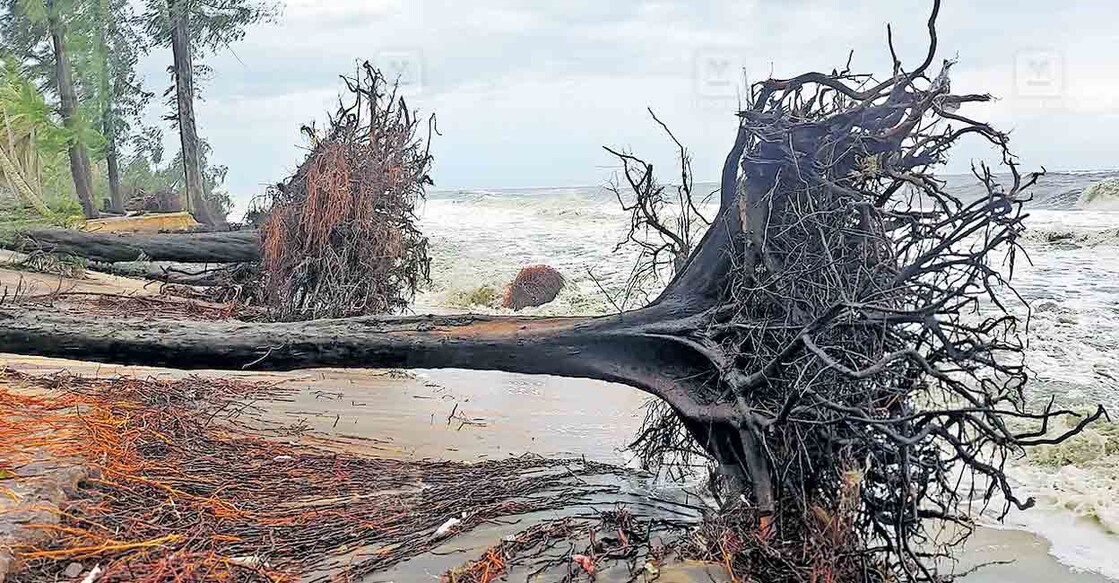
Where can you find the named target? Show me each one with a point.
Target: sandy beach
(391, 413)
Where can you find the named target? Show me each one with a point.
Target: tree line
(71, 99)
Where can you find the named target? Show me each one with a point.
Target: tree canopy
(104, 42)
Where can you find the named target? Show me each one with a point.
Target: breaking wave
(1073, 237)
(1104, 193)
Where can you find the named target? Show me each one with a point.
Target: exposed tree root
(340, 237)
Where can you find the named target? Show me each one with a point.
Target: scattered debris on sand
(573, 548)
(171, 479)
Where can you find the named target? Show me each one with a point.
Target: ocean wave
(1072, 237)
(1054, 190)
(1102, 194)
(1080, 475)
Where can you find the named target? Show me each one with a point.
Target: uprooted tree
(840, 343)
(340, 236)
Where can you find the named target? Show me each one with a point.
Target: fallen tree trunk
(218, 247)
(632, 348)
(204, 275)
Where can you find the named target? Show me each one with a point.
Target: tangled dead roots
(341, 237)
(868, 343)
(534, 285)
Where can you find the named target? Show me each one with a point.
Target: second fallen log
(220, 247)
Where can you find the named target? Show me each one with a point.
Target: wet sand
(495, 415)
(27, 283)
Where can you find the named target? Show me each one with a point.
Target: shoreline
(459, 415)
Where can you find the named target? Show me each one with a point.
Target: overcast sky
(526, 92)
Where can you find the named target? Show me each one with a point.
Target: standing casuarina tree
(55, 16)
(114, 49)
(191, 28)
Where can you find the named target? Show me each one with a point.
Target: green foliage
(104, 41)
(15, 216)
(484, 295)
(29, 63)
(28, 50)
(27, 40)
(106, 50)
(36, 141)
(214, 24)
(27, 110)
(32, 143)
(24, 26)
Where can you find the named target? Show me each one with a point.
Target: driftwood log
(839, 342)
(216, 247)
(200, 275)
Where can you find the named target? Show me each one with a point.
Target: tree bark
(184, 97)
(647, 349)
(222, 247)
(116, 197)
(634, 348)
(79, 158)
(196, 275)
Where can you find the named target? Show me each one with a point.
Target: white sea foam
(1102, 194)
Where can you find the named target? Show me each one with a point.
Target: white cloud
(528, 92)
(337, 10)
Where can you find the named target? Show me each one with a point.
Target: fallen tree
(204, 275)
(340, 236)
(337, 238)
(215, 247)
(840, 342)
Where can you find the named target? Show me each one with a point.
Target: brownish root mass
(341, 236)
(534, 285)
